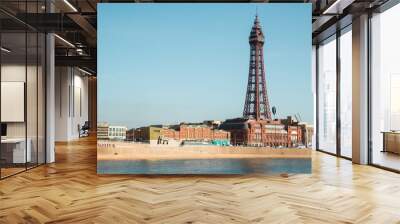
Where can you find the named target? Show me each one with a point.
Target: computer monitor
(3, 129)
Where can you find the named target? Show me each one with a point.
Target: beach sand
(110, 150)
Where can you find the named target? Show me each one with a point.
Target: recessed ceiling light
(5, 50)
(70, 5)
(64, 40)
(337, 7)
(84, 71)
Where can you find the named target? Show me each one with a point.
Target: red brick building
(130, 134)
(250, 132)
(192, 131)
(201, 132)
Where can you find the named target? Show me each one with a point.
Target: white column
(50, 99)
(314, 91)
(360, 90)
(50, 92)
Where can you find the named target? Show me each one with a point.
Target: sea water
(206, 166)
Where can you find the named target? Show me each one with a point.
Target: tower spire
(256, 18)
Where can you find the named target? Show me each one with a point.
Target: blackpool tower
(256, 104)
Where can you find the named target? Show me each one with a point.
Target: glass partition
(14, 153)
(31, 99)
(327, 95)
(23, 91)
(385, 89)
(346, 92)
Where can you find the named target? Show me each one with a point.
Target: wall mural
(204, 89)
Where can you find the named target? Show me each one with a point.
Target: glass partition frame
(30, 56)
(336, 149)
(379, 72)
(370, 36)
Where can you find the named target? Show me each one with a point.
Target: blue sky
(168, 63)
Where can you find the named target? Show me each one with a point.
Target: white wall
(12, 73)
(33, 126)
(80, 112)
(71, 102)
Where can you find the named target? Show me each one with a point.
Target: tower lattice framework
(256, 103)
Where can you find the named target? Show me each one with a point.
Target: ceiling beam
(86, 26)
(77, 61)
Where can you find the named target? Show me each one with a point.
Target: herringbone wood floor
(69, 191)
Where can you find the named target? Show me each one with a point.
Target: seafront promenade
(111, 150)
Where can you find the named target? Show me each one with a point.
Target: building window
(346, 92)
(385, 89)
(327, 95)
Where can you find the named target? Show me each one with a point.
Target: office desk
(13, 150)
(391, 141)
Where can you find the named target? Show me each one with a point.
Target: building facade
(117, 132)
(110, 132)
(130, 134)
(308, 133)
(181, 132)
(250, 132)
(102, 131)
